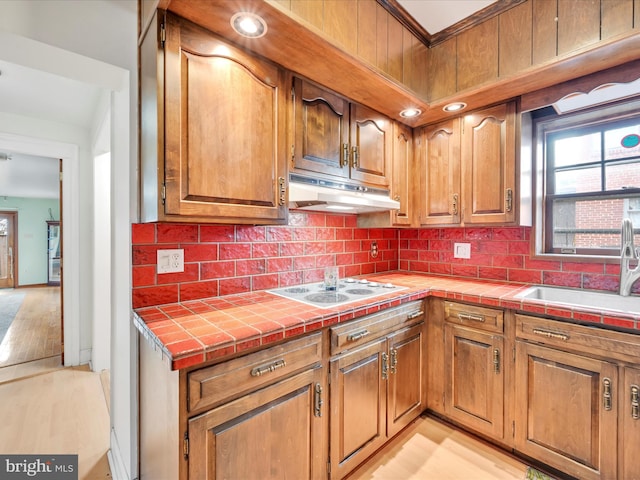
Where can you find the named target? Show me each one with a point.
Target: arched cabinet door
(224, 130)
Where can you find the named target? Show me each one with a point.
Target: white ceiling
(44, 96)
(436, 15)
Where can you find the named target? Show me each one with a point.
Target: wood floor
(430, 450)
(35, 332)
(60, 412)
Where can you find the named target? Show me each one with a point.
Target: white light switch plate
(461, 250)
(170, 261)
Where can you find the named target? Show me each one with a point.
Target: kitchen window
(590, 179)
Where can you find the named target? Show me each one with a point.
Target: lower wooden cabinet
(629, 424)
(375, 391)
(274, 432)
(474, 376)
(566, 412)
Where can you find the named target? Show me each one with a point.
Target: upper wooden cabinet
(340, 139)
(213, 129)
(468, 169)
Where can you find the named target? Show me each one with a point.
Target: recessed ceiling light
(454, 107)
(410, 112)
(249, 25)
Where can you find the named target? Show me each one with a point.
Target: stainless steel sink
(582, 298)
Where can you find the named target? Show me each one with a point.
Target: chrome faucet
(628, 275)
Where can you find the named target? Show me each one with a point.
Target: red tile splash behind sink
(227, 259)
(221, 260)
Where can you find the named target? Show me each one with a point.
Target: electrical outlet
(170, 261)
(461, 250)
(374, 249)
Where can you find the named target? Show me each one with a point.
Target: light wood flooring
(431, 450)
(60, 412)
(35, 332)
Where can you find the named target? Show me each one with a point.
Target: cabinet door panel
(212, 167)
(561, 418)
(321, 130)
(474, 379)
(358, 406)
(231, 441)
(402, 188)
(629, 436)
(406, 370)
(488, 165)
(578, 24)
(440, 174)
(371, 134)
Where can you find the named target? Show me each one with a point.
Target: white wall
(102, 30)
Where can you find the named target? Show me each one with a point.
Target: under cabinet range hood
(306, 193)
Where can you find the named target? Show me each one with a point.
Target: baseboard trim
(85, 356)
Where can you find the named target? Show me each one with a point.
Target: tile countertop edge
(183, 349)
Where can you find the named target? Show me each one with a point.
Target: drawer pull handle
(394, 360)
(385, 366)
(471, 316)
(607, 400)
(635, 402)
(258, 371)
(357, 336)
(413, 315)
(317, 409)
(496, 360)
(546, 333)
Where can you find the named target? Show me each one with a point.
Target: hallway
(35, 333)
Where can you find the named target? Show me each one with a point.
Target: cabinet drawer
(219, 383)
(359, 332)
(579, 338)
(481, 318)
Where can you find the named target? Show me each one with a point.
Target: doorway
(8, 244)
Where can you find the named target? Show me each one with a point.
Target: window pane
(578, 181)
(577, 150)
(615, 147)
(623, 176)
(588, 224)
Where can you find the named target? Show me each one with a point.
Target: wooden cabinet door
(406, 393)
(440, 174)
(402, 185)
(629, 424)
(358, 406)
(225, 130)
(566, 411)
(321, 130)
(371, 146)
(474, 379)
(488, 165)
(272, 433)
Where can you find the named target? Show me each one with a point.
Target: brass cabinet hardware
(282, 190)
(607, 400)
(471, 316)
(496, 360)
(385, 366)
(635, 402)
(546, 333)
(185, 446)
(413, 315)
(345, 154)
(396, 198)
(258, 371)
(394, 360)
(317, 404)
(509, 202)
(356, 156)
(357, 336)
(454, 205)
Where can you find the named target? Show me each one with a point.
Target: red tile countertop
(193, 332)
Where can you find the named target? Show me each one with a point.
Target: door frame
(14, 235)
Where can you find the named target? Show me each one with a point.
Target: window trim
(587, 120)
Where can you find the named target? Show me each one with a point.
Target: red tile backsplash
(227, 259)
